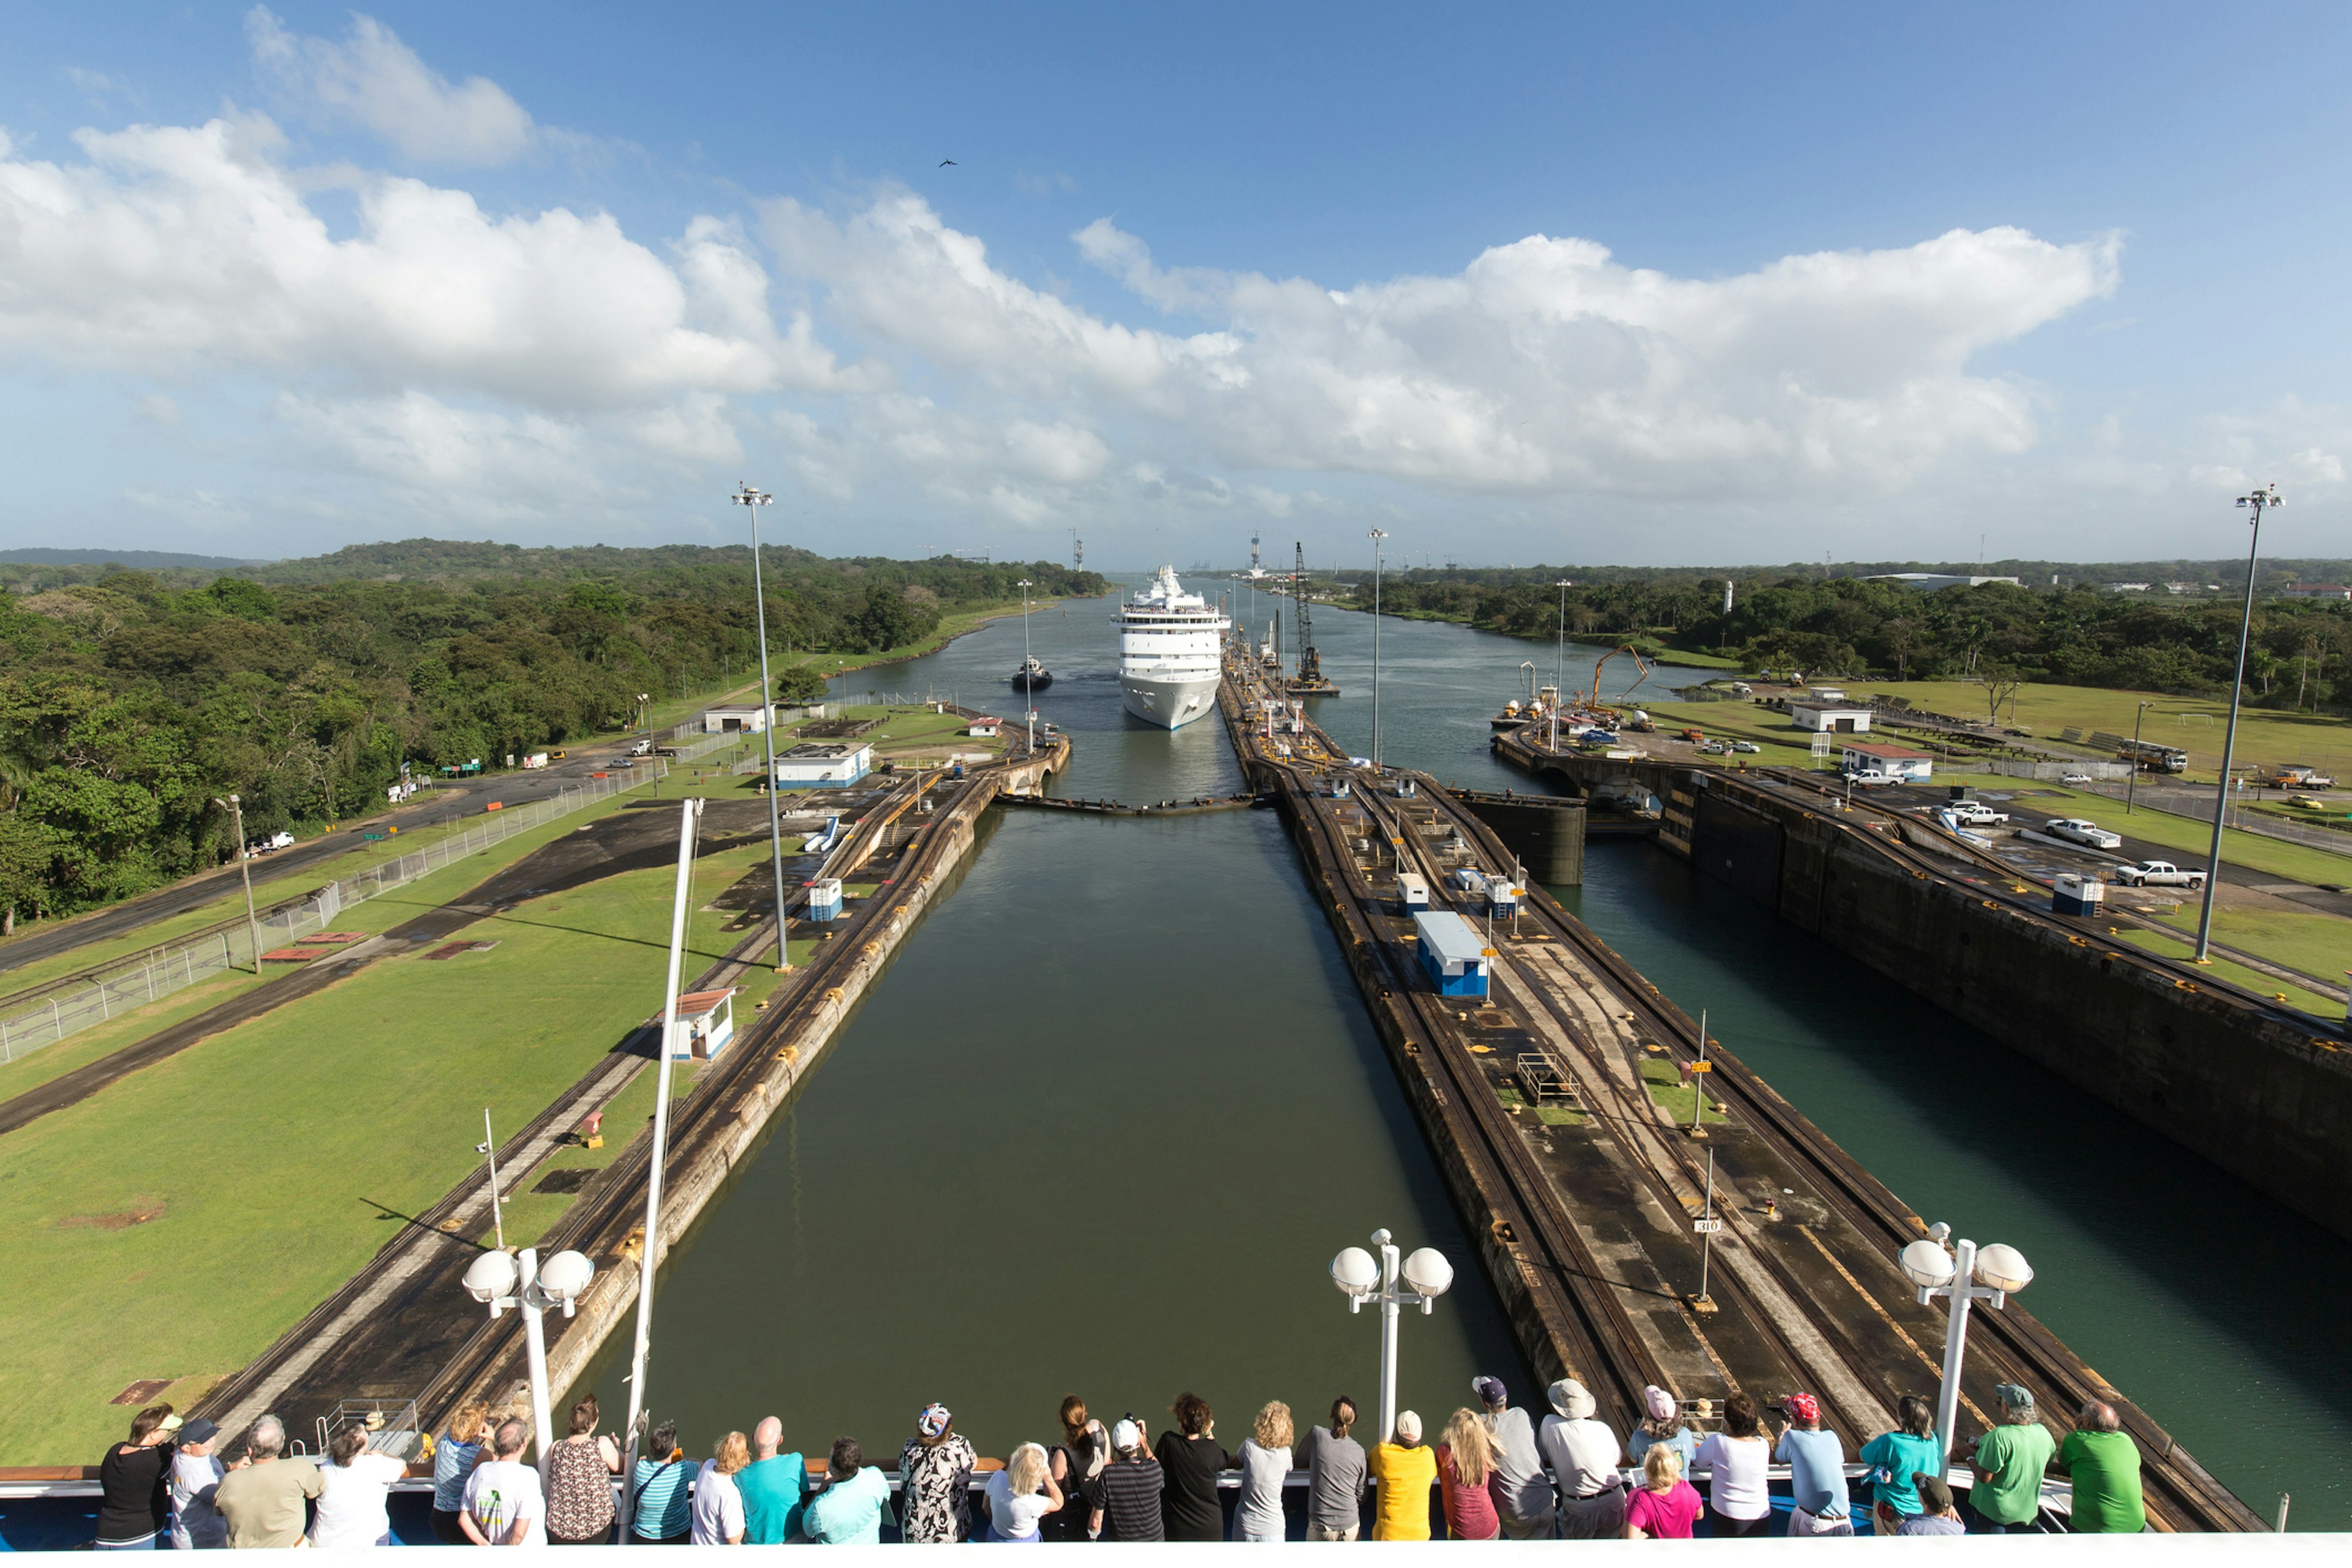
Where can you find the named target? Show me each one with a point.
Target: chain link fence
(48, 1014)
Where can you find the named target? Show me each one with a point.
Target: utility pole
(1559, 668)
(747, 496)
(1377, 535)
(1028, 686)
(2255, 502)
(244, 870)
(489, 1151)
(2131, 785)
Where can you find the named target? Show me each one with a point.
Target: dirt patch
(145, 1389)
(571, 1179)
(122, 1219)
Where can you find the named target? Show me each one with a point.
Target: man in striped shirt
(1131, 1484)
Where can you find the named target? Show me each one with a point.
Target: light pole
(1559, 668)
(1028, 686)
(2131, 785)
(500, 1279)
(2256, 500)
(1376, 536)
(1425, 1275)
(1962, 1277)
(747, 497)
(488, 1148)
(244, 869)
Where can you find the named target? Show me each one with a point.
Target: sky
(1702, 284)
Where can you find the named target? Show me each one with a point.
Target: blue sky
(1721, 284)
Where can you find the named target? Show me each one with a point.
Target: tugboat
(1031, 675)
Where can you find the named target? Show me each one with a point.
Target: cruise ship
(1168, 643)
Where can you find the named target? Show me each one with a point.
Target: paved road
(2025, 811)
(278, 875)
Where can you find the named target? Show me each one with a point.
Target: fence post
(99, 987)
(151, 980)
(56, 1022)
(6, 1055)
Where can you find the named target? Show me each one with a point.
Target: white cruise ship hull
(1170, 704)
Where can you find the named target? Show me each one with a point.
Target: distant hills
(138, 559)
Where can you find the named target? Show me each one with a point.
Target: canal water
(1099, 1129)
(1106, 1119)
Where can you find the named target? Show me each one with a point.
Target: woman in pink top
(1663, 1506)
(1465, 1460)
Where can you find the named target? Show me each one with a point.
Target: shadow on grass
(411, 1221)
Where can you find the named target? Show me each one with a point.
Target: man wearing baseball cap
(2008, 1463)
(1521, 1485)
(1403, 1470)
(1816, 1462)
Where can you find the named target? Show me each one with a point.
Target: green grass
(2306, 941)
(2253, 980)
(275, 1158)
(2272, 857)
(38, 1067)
(1783, 745)
(2263, 735)
(1667, 1090)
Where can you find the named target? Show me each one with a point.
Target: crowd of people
(1498, 1474)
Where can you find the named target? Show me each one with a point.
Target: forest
(2086, 634)
(130, 700)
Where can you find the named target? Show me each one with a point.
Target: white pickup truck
(1974, 813)
(2158, 874)
(2083, 831)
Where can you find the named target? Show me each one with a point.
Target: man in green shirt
(2008, 1463)
(2104, 1463)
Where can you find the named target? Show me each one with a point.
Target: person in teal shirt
(2007, 1464)
(773, 1486)
(1896, 1457)
(2104, 1464)
(849, 1511)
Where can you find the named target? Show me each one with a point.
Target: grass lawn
(250, 1176)
(1784, 745)
(2307, 941)
(2253, 980)
(36, 1068)
(1665, 1081)
(2195, 724)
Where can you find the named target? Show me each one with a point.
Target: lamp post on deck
(1962, 1277)
(746, 496)
(500, 1279)
(2256, 501)
(1425, 1277)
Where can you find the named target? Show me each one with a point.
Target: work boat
(1168, 643)
(1031, 675)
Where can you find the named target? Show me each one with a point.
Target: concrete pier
(1559, 1107)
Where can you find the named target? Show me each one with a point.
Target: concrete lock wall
(2240, 1084)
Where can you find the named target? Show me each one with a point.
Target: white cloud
(2298, 446)
(173, 248)
(374, 81)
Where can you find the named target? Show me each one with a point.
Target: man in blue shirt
(1816, 1462)
(850, 1511)
(772, 1486)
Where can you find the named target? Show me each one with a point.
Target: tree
(2000, 683)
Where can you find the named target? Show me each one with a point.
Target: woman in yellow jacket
(1406, 1470)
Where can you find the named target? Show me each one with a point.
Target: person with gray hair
(2104, 1462)
(263, 1501)
(2008, 1463)
(1582, 1453)
(505, 1504)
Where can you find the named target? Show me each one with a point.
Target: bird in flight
(950, 164)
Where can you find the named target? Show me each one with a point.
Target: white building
(814, 762)
(1933, 582)
(731, 721)
(982, 727)
(1895, 762)
(1830, 718)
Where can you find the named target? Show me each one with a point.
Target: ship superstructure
(1168, 642)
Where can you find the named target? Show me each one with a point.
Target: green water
(1110, 1114)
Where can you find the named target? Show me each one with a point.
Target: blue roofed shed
(1452, 953)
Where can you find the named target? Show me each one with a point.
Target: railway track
(2181, 1493)
(2008, 1346)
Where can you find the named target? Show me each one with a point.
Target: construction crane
(1593, 699)
(1311, 681)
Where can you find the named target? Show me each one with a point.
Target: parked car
(2083, 831)
(1974, 813)
(1714, 749)
(2077, 780)
(1869, 777)
(1747, 748)
(260, 846)
(2158, 874)
(1694, 736)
